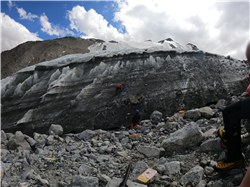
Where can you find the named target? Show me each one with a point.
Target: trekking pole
(124, 182)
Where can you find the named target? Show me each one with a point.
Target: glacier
(77, 91)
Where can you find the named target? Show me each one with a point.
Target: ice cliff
(77, 91)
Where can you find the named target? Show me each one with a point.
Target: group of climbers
(136, 117)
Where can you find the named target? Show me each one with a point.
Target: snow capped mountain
(77, 91)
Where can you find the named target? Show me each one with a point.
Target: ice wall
(78, 91)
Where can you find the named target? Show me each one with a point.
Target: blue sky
(216, 27)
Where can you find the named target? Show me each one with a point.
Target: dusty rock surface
(99, 158)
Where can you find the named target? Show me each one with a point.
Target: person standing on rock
(232, 116)
(118, 88)
(135, 120)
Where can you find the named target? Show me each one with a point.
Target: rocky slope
(182, 148)
(78, 91)
(31, 53)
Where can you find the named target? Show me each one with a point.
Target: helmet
(137, 111)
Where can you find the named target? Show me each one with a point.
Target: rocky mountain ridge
(34, 52)
(182, 148)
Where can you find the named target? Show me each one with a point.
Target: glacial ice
(27, 117)
(68, 76)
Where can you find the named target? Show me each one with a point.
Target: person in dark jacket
(135, 120)
(231, 135)
(118, 88)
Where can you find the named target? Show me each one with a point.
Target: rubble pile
(182, 149)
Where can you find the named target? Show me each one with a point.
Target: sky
(220, 27)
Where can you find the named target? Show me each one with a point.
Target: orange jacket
(119, 86)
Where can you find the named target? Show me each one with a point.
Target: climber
(135, 120)
(245, 138)
(118, 88)
(232, 116)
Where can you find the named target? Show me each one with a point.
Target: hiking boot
(245, 138)
(222, 135)
(225, 166)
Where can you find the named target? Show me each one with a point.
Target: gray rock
(12, 144)
(5, 166)
(210, 133)
(27, 174)
(40, 138)
(206, 112)
(85, 135)
(56, 130)
(221, 104)
(193, 114)
(138, 170)
(172, 168)
(193, 176)
(155, 117)
(40, 181)
(85, 169)
(188, 136)
(117, 181)
(81, 181)
(159, 162)
(151, 151)
(172, 126)
(4, 153)
(202, 184)
(211, 145)
(50, 140)
(209, 170)
(3, 136)
(31, 141)
(218, 183)
(176, 118)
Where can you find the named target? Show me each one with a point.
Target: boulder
(194, 176)
(155, 117)
(85, 135)
(56, 130)
(82, 181)
(151, 151)
(187, 137)
(206, 112)
(193, 114)
(3, 136)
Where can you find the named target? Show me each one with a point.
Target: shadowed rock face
(80, 94)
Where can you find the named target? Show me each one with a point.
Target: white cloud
(92, 24)
(217, 27)
(53, 29)
(210, 25)
(10, 4)
(23, 14)
(14, 33)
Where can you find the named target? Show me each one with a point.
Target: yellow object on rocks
(148, 176)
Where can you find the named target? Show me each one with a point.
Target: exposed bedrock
(80, 94)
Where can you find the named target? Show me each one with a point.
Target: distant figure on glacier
(118, 88)
(135, 120)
